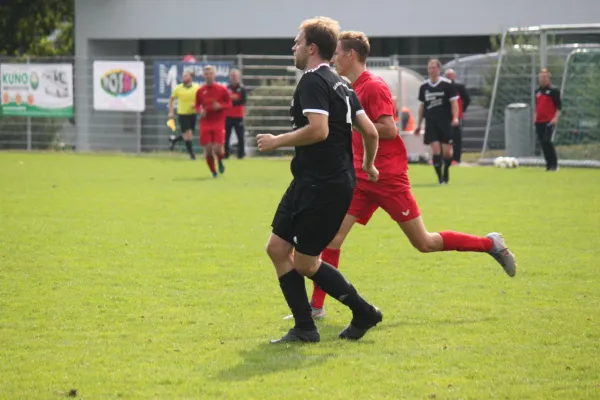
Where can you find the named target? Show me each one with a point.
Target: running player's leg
(361, 210)
(206, 141)
(428, 242)
(432, 138)
(187, 123)
(330, 255)
(280, 251)
(315, 227)
(447, 154)
(219, 140)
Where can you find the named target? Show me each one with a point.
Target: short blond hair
(323, 32)
(357, 41)
(209, 68)
(436, 62)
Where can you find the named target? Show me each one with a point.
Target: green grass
(140, 278)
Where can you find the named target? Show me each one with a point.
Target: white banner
(37, 90)
(119, 86)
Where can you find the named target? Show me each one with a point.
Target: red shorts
(396, 200)
(212, 134)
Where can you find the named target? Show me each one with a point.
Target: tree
(34, 28)
(28, 24)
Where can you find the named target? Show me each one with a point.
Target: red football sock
(221, 156)
(462, 242)
(210, 160)
(331, 257)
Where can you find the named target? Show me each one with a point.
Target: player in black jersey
(439, 107)
(324, 109)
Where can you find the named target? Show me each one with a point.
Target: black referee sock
(190, 150)
(334, 284)
(178, 139)
(437, 165)
(447, 164)
(294, 291)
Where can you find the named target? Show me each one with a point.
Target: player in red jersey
(212, 99)
(392, 191)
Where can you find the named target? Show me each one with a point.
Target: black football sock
(190, 150)
(334, 284)
(178, 139)
(294, 291)
(447, 164)
(437, 165)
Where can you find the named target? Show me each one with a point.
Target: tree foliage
(27, 24)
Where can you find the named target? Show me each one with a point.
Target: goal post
(570, 53)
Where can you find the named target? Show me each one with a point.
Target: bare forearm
(301, 137)
(370, 144)
(420, 117)
(455, 110)
(171, 105)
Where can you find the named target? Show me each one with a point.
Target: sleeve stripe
(358, 112)
(314, 110)
(454, 98)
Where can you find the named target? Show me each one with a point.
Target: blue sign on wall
(167, 74)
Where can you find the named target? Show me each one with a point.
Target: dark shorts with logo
(310, 215)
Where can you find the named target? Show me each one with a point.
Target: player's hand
(417, 131)
(553, 122)
(216, 106)
(372, 172)
(266, 142)
(455, 122)
(202, 113)
(171, 115)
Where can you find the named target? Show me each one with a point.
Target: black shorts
(187, 122)
(310, 215)
(436, 131)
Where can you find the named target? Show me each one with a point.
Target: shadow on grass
(267, 358)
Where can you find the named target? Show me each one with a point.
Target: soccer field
(143, 278)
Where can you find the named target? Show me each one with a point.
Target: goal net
(571, 53)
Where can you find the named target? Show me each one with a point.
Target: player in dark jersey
(324, 109)
(439, 107)
(547, 111)
(392, 190)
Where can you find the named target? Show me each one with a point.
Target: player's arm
(198, 105)
(172, 103)
(223, 101)
(316, 131)
(370, 137)
(379, 104)
(555, 94)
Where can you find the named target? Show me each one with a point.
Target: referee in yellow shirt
(186, 94)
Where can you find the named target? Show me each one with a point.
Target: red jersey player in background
(392, 191)
(212, 99)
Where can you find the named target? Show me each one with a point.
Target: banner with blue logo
(167, 74)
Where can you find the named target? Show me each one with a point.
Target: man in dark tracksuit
(463, 103)
(235, 115)
(547, 111)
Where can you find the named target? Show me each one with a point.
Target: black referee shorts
(437, 131)
(187, 122)
(310, 215)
